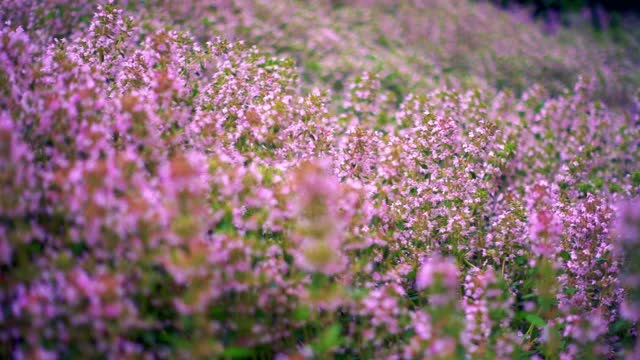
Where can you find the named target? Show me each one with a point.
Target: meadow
(366, 179)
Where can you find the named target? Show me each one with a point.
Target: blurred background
(412, 46)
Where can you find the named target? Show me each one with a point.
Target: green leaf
(329, 339)
(635, 178)
(358, 293)
(534, 319)
(302, 313)
(570, 291)
(585, 187)
(236, 352)
(601, 260)
(318, 281)
(482, 194)
(615, 188)
(620, 326)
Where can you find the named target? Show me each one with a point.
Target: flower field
(281, 179)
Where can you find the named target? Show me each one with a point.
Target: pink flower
(437, 269)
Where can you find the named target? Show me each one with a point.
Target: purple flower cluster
(164, 196)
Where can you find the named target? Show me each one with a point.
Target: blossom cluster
(168, 196)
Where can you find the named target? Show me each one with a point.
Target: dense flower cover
(167, 196)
